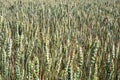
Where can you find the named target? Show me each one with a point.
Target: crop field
(59, 39)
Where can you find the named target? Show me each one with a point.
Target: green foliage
(59, 40)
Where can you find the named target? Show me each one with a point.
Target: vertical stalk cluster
(59, 40)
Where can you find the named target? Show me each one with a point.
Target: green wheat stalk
(36, 68)
(94, 51)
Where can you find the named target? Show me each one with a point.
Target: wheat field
(60, 40)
